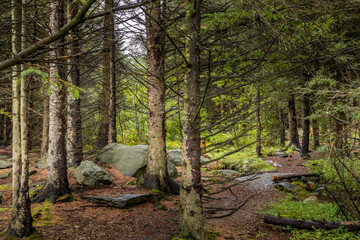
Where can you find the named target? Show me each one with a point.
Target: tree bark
(294, 136)
(57, 183)
(258, 120)
(73, 135)
(316, 133)
(105, 133)
(21, 221)
(157, 176)
(45, 130)
(191, 221)
(306, 127)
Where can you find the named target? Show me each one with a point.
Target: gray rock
(286, 186)
(1, 194)
(319, 190)
(281, 154)
(130, 160)
(121, 200)
(226, 173)
(174, 156)
(312, 199)
(5, 175)
(90, 174)
(5, 164)
(6, 158)
(42, 163)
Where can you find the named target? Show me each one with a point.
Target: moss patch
(4, 209)
(42, 215)
(5, 187)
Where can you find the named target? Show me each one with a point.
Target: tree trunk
(191, 221)
(73, 136)
(45, 130)
(157, 176)
(282, 127)
(294, 136)
(57, 183)
(258, 120)
(316, 133)
(306, 127)
(21, 221)
(108, 75)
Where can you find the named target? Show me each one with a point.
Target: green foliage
(320, 234)
(288, 208)
(4, 209)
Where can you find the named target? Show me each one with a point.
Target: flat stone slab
(121, 200)
(5, 164)
(5, 175)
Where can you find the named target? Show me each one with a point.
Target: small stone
(310, 185)
(281, 154)
(5, 164)
(5, 175)
(312, 199)
(319, 190)
(286, 186)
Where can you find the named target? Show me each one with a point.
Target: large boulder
(88, 173)
(174, 156)
(129, 160)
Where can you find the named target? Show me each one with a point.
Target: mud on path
(83, 220)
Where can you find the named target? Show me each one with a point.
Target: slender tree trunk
(157, 176)
(73, 135)
(108, 74)
(45, 130)
(282, 127)
(258, 120)
(191, 221)
(21, 221)
(316, 133)
(57, 183)
(306, 127)
(294, 136)
(113, 98)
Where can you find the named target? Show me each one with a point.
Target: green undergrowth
(288, 208)
(321, 234)
(245, 161)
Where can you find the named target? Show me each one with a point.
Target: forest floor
(84, 220)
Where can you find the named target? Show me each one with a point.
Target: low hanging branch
(310, 225)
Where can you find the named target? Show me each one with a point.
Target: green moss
(161, 195)
(4, 209)
(211, 234)
(67, 198)
(42, 215)
(320, 234)
(5, 187)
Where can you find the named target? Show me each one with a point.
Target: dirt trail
(83, 220)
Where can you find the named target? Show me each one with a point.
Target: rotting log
(289, 176)
(310, 225)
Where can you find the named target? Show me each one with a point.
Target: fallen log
(310, 225)
(296, 175)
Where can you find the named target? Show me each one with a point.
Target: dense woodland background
(211, 77)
